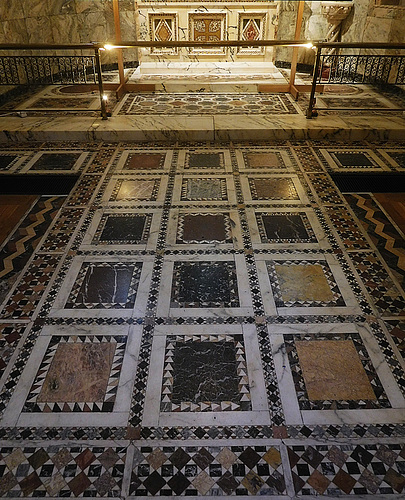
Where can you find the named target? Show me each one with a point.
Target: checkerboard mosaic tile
(204, 320)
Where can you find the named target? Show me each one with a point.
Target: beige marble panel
(93, 26)
(34, 8)
(65, 28)
(78, 373)
(15, 31)
(306, 282)
(39, 30)
(11, 9)
(333, 371)
(58, 7)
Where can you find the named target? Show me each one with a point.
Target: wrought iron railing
(373, 69)
(51, 69)
(47, 70)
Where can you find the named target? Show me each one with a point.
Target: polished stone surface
(332, 370)
(223, 322)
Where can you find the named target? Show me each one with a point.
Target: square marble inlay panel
(308, 286)
(394, 157)
(61, 385)
(143, 160)
(12, 161)
(285, 227)
(50, 161)
(206, 373)
(333, 370)
(205, 284)
(194, 286)
(127, 189)
(265, 159)
(104, 287)
(214, 228)
(280, 189)
(199, 160)
(202, 189)
(204, 370)
(125, 229)
(74, 371)
(351, 159)
(108, 284)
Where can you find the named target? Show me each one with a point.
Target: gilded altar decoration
(207, 28)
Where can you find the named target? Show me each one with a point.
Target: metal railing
(373, 69)
(30, 70)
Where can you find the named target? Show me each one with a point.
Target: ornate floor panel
(204, 320)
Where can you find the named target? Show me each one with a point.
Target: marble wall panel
(15, 31)
(11, 10)
(34, 8)
(65, 28)
(39, 30)
(93, 26)
(58, 7)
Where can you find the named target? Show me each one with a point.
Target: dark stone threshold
(40, 184)
(363, 182)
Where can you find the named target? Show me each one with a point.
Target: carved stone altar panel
(207, 28)
(163, 28)
(252, 26)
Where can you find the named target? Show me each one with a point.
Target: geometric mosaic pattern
(384, 234)
(385, 295)
(206, 103)
(209, 470)
(53, 384)
(367, 469)
(62, 471)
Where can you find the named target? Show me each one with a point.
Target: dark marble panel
(285, 227)
(278, 188)
(6, 160)
(204, 284)
(205, 371)
(398, 157)
(56, 161)
(123, 228)
(204, 228)
(352, 159)
(144, 161)
(205, 160)
(105, 285)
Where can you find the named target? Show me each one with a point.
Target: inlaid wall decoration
(163, 28)
(252, 27)
(207, 28)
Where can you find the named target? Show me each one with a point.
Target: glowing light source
(107, 46)
(105, 97)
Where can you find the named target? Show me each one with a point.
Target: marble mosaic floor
(204, 320)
